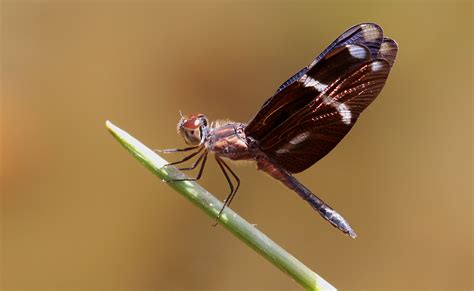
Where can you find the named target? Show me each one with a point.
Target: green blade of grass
(238, 226)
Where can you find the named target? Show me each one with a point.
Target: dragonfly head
(193, 128)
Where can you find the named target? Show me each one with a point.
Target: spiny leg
(186, 158)
(236, 179)
(204, 159)
(194, 165)
(233, 191)
(169, 151)
(231, 186)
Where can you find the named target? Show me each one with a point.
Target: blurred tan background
(79, 213)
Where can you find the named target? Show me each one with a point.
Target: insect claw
(217, 218)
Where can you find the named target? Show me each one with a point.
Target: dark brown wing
(368, 35)
(312, 132)
(301, 93)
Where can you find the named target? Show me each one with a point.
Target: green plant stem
(238, 226)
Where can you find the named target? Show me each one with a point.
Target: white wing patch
(341, 108)
(282, 151)
(299, 138)
(357, 52)
(345, 113)
(376, 66)
(311, 82)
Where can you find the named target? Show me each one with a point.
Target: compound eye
(192, 135)
(191, 129)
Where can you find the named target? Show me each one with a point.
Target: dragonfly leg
(236, 179)
(233, 190)
(169, 151)
(203, 157)
(186, 158)
(194, 165)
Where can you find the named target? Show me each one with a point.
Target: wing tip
(388, 50)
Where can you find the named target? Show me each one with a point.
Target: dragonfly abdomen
(316, 203)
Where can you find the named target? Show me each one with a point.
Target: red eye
(191, 123)
(195, 121)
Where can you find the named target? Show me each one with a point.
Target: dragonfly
(302, 121)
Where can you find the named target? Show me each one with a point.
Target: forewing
(368, 35)
(300, 94)
(311, 133)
